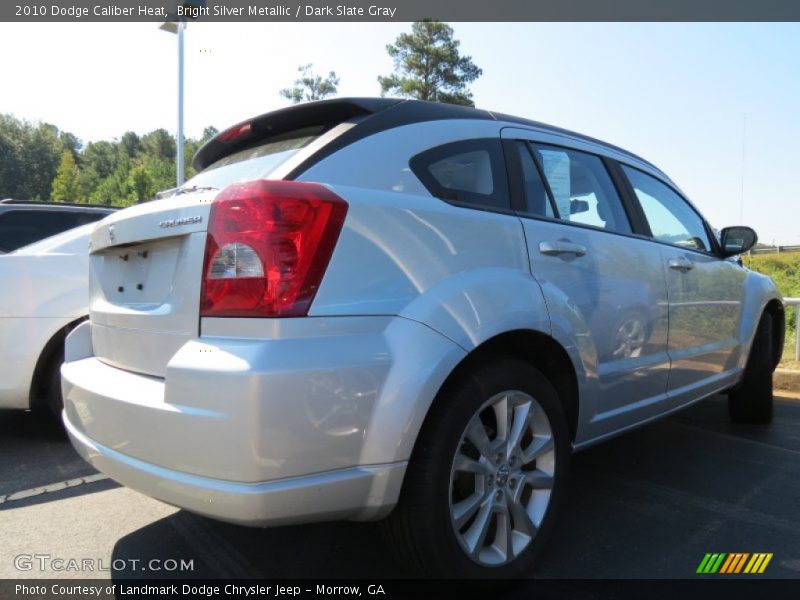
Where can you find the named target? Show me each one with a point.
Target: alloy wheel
(501, 478)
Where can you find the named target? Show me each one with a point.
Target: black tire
(55, 401)
(420, 528)
(48, 403)
(751, 401)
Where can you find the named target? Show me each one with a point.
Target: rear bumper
(316, 422)
(360, 493)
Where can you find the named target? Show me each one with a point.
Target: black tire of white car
(422, 528)
(751, 401)
(55, 401)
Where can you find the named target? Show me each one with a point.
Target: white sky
(677, 94)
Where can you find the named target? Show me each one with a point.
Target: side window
(670, 217)
(582, 188)
(470, 172)
(537, 202)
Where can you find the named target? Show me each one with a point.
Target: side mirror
(578, 206)
(737, 240)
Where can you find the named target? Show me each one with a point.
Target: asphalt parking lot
(649, 504)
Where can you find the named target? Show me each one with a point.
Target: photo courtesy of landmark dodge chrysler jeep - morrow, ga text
(382, 309)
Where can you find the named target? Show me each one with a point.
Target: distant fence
(774, 249)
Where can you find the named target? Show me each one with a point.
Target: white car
(43, 296)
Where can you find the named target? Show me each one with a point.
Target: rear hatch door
(145, 279)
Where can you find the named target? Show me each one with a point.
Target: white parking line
(52, 487)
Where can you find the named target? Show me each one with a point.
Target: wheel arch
(540, 351)
(37, 394)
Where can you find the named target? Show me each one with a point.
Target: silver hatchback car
(381, 309)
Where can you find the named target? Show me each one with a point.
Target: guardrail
(774, 250)
(796, 303)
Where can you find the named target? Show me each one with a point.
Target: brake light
(268, 246)
(235, 132)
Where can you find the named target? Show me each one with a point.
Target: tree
(67, 183)
(428, 66)
(33, 165)
(208, 133)
(141, 185)
(114, 188)
(29, 158)
(129, 144)
(158, 143)
(70, 142)
(310, 86)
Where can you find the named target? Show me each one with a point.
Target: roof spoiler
(323, 112)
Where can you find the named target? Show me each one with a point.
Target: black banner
(400, 10)
(705, 588)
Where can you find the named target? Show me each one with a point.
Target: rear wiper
(194, 188)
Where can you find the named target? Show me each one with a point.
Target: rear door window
(469, 173)
(581, 188)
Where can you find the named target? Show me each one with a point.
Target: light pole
(178, 28)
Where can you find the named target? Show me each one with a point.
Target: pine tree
(428, 66)
(67, 182)
(309, 86)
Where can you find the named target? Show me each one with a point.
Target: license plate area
(139, 274)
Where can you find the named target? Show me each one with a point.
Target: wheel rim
(501, 478)
(629, 338)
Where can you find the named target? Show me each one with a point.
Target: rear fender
(467, 310)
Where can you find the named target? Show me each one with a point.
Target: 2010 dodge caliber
(372, 308)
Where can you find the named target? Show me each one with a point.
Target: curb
(787, 380)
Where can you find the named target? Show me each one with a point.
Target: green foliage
(310, 86)
(784, 268)
(41, 163)
(29, 157)
(130, 144)
(99, 157)
(158, 143)
(429, 66)
(67, 183)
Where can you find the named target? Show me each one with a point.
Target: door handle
(561, 247)
(681, 264)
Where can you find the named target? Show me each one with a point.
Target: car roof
(68, 206)
(374, 115)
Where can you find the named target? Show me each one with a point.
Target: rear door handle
(680, 264)
(561, 247)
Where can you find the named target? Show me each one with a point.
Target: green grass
(785, 272)
(783, 268)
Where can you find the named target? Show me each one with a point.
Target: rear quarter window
(469, 173)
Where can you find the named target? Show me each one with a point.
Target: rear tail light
(268, 245)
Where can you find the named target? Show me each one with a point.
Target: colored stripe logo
(734, 562)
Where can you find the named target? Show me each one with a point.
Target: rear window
(19, 228)
(257, 161)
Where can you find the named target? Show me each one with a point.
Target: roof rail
(53, 203)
